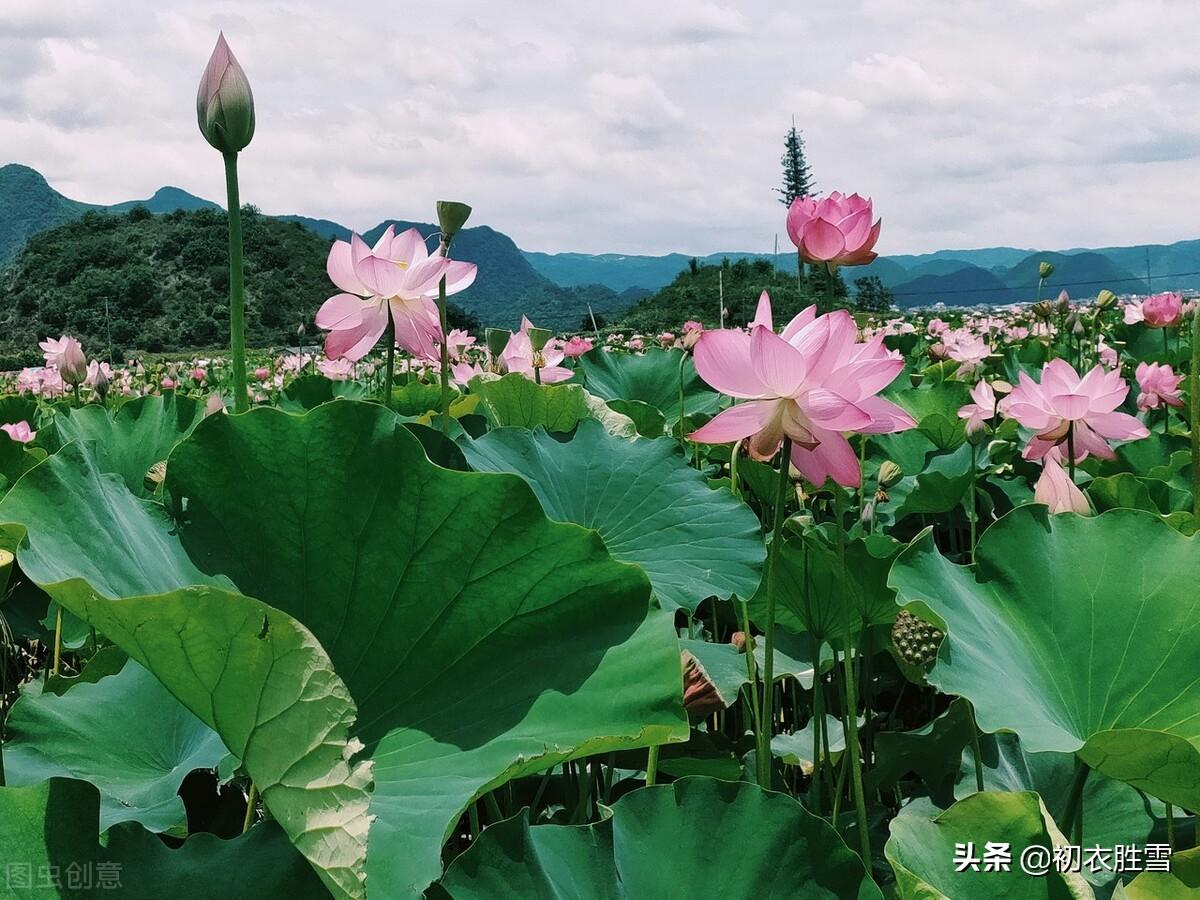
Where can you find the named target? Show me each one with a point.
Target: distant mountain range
(559, 288)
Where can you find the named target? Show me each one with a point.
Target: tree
(871, 295)
(797, 175)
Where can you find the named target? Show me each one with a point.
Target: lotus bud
(1064, 302)
(938, 352)
(1106, 299)
(1042, 309)
(1077, 327)
(539, 338)
(262, 373)
(1045, 270)
(224, 103)
(497, 340)
(451, 218)
(868, 513)
(738, 639)
(889, 474)
(100, 382)
(301, 330)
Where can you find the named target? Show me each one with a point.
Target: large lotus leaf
(922, 851)
(932, 751)
(86, 734)
(139, 434)
(1080, 634)
(310, 391)
(649, 505)
(479, 639)
(651, 377)
(50, 849)
(514, 400)
(250, 672)
(814, 585)
(1181, 883)
(1113, 812)
(697, 837)
(16, 459)
(938, 487)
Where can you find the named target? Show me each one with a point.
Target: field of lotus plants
(832, 607)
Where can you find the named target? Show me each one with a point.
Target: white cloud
(636, 127)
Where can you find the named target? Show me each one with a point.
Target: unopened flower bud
(938, 352)
(1045, 269)
(224, 103)
(868, 513)
(451, 218)
(1042, 309)
(738, 639)
(889, 474)
(1064, 302)
(1106, 299)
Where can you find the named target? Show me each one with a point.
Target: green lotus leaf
(310, 391)
(16, 459)
(50, 849)
(932, 751)
(651, 377)
(86, 734)
(697, 837)
(648, 420)
(1114, 813)
(937, 487)
(1181, 883)
(1074, 642)
(649, 505)
(461, 619)
(250, 672)
(922, 851)
(514, 400)
(139, 434)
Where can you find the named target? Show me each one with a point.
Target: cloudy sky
(635, 127)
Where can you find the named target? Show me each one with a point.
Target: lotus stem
(1071, 450)
(58, 625)
(972, 510)
(237, 288)
(445, 345)
(389, 370)
(251, 796)
(767, 707)
(975, 749)
(652, 766)
(1074, 809)
(852, 748)
(1194, 402)
(682, 439)
(1171, 826)
(751, 666)
(818, 724)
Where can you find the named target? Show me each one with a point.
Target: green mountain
(29, 205)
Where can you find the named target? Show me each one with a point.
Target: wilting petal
(723, 361)
(832, 458)
(1055, 489)
(737, 422)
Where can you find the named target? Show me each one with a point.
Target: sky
(635, 127)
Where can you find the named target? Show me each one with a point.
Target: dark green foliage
(164, 280)
(871, 295)
(797, 174)
(29, 205)
(695, 294)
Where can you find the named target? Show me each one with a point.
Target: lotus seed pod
(451, 218)
(1106, 299)
(1045, 269)
(497, 340)
(539, 338)
(915, 640)
(889, 474)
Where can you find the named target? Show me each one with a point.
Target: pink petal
(822, 241)
(832, 458)
(777, 364)
(735, 423)
(340, 312)
(1118, 426)
(834, 412)
(340, 267)
(762, 315)
(723, 361)
(355, 343)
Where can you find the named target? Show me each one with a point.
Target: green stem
(652, 766)
(1075, 798)
(58, 623)
(852, 748)
(237, 288)
(751, 667)
(1194, 402)
(1071, 450)
(1171, 827)
(493, 808)
(250, 798)
(976, 752)
(389, 370)
(1166, 347)
(767, 707)
(445, 343)
(971, 512)
(682, 439)
(818, 725)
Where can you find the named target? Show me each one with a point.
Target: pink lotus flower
(1159, 385)
(169, 383)
(19, 432)
(519, 356)
(965, 347)
(1063, 402)
(1162, 310)
(835, 230)
(576, 347)
(457, 342)
(1107, 355)
(462, 373)
(336, 369)
(1056, 489)
(199, 374)
(936, 327)
(262, 373)
(66, 355)
(978, 413)
(811, 384)
(399, 274)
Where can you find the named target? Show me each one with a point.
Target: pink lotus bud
(224, 103)
(66, 355)
(19, 432)
(199, 374)
(168, 383)
(262, 373)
